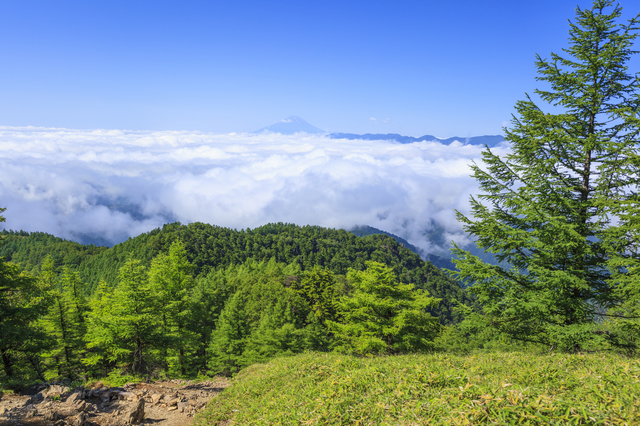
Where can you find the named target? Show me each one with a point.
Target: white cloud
(114, 184)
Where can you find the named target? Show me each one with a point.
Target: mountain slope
(440, 262)
(290, 126)
(210, 247)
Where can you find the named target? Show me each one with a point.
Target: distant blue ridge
(294, 124)
(489, 140)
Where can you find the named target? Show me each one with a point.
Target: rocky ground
(170, 403)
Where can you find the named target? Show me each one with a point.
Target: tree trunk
(7, 363)
(36, 366)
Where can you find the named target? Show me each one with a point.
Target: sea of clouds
(108, 185)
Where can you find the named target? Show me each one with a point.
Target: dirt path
(170, 403)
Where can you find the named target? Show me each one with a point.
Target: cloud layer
(112, 184)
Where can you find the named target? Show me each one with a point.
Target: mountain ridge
(294, 124)
(489, 140)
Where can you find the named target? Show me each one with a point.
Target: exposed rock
(136, 415)
(36, 399)
(56, 390)
(156, 397)
(50, 415)
(73, 398)
(172, 402)
(79, 420)
(125, 396)
(157, 403)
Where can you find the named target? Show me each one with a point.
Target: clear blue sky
(443, 68)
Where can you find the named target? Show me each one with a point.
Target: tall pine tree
(549, 207)
(123, 325)
(22, 302)
(171, 282)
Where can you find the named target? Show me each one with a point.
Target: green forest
(362, 330)
(189, 300)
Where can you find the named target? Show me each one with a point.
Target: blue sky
(416, 67)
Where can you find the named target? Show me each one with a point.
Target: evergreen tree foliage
(230, 337)
(211, 247)
(260, 317)
(171, 283)
(382, 315)
(549, 208)
(65, 320)
(276, 335)
(206, 302)
(101, 331)
(22, 302)
(321, 290)
(196, 299)
(124, 325)
(30, 249)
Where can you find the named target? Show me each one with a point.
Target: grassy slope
(440, 389)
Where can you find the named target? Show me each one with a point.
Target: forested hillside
(210, 247)
(201, 299)
(29, 249)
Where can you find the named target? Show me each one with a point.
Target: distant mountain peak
(291, 125)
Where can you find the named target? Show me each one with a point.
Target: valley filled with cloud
(108, 185)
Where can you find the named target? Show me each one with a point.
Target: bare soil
(169, 403)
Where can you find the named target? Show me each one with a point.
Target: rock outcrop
(157, 403)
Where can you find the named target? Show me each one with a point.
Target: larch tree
(552, 209)
(382, 315)
(171, 281)
(22, 303)
(123, 324)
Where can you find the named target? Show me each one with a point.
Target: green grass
(437, 389)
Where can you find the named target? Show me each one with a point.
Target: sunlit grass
(438, 389)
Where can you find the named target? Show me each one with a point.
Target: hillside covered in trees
(209, 247)
(200, 299)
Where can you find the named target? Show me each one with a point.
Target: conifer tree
(72, 288)
(124, 323)
(275, 335)
(22, 302)
(65, 319)
(230, 337)
(57, 323)
(549, 208)
(206, 302)
(171, 282)
(101, 330)
(319, 290)
(382, 315)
